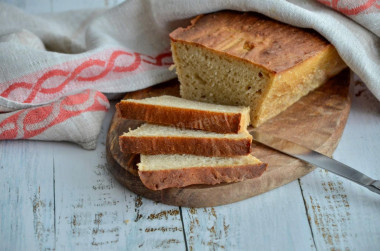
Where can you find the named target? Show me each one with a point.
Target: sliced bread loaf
(165, 171)
(247, 59)
(155, 139)
(183, 113)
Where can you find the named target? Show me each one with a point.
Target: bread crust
(212, 121)
(223, 147)
(161, 179)
(253, 38)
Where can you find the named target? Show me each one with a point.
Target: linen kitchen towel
(57, 70)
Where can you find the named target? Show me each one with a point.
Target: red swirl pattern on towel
(70, 74)
(350, 8)
(48, 92)
(31, 122)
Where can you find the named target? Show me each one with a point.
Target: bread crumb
(172, 67)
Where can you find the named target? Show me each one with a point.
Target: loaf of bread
(247, 59)
(155, 139)
(182, 113)
(165, 171)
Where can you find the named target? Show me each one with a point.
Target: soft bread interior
(211, 77)
(149, 130)
(171, 101)
(178, 161)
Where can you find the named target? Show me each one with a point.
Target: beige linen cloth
(57, 70)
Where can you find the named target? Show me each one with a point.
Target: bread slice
(247, 59)
(182, 113)
(155, 139)
(164, 171)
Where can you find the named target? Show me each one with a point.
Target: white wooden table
(59, 196)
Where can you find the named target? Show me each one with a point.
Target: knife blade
(316, 159)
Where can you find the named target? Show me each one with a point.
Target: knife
(317, 159)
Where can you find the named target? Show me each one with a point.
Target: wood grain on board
(316, 121)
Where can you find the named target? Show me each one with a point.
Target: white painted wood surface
(343, 215)
(59, 196)
(27, 195)
(92, 211)
(273, 221)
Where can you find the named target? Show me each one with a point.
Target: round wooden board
(316, 121)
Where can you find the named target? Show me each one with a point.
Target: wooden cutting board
(316, 121)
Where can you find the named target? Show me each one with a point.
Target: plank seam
(183, 228)
(55, 220)
(307, 214)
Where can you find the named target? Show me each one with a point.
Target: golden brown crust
(252, 37)
(219, 122)
(186, 145)
(157, 180)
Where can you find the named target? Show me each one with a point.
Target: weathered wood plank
(151, 225)
(94, 212)
(27, 195)
(275, 220)
(343, 215)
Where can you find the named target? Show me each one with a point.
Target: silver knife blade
(317, 159)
